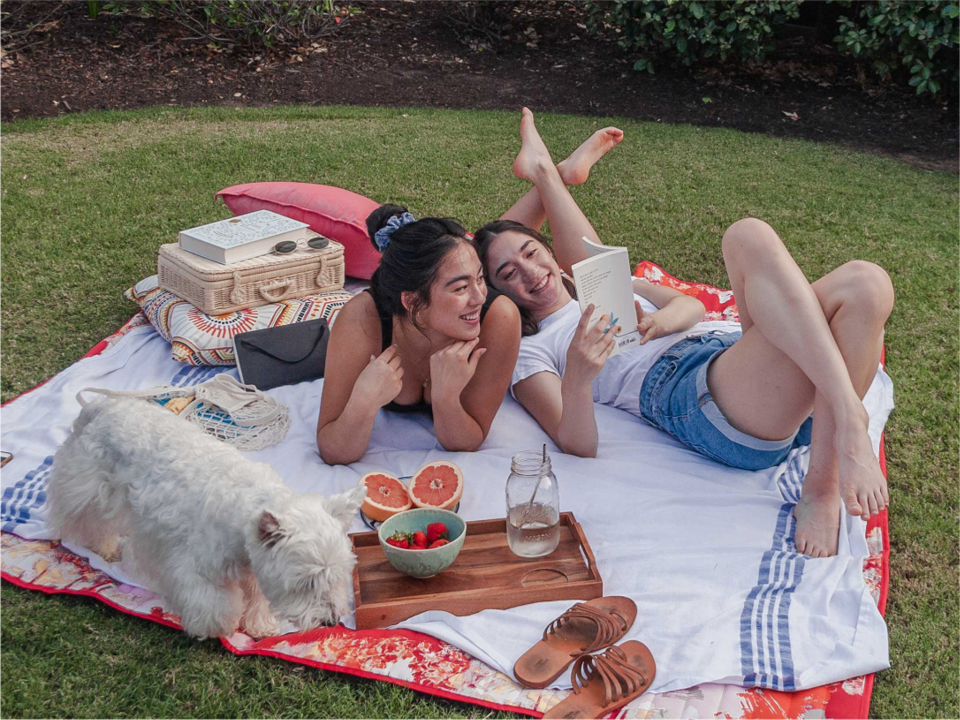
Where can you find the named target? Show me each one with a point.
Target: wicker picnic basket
(218, 289)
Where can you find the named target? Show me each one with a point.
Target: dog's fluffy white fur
(218, 535)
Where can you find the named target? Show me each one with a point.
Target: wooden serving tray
(485, 575)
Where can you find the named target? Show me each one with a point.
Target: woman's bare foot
(863, 488)
(576, 169)
(818, 523)
(533, 157)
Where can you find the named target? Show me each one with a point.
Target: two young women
(428, 336)
(743, 398)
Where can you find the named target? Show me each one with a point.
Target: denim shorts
(674, 397)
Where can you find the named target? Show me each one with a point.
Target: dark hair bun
(379, 217)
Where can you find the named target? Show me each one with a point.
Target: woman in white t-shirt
(741, 395)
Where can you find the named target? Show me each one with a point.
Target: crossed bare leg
(575, 170)
(856, 299)
(567, 222)
(806, 346)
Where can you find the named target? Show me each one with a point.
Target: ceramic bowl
(422, 563)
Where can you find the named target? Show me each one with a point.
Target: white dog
(219, 536)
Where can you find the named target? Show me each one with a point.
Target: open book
(604, 279)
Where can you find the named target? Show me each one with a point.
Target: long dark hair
(411, 262)
(482, 240)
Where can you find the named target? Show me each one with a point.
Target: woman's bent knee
(869, 286)
(752, 235)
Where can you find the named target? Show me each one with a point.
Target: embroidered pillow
(201, 339)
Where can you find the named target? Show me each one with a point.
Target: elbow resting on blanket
(335, 456)
(577, 447)
(583, 452)
(463, 446)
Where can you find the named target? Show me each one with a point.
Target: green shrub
(922, 35)
(249, 23)
(693, 31)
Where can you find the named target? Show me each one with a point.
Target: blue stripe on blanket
(27, 494)
(790, 482)
(765, 652)
(196, 374)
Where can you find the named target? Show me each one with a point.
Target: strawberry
(400, 540)
(435, 531)
(418, 540)
(440, 542)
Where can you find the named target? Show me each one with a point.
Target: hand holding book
(604, 282)
(590, 348)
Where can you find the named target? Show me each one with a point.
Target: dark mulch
(407, 54)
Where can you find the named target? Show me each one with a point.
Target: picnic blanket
(724, 601)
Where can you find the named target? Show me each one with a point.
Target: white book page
(593, 249)
(605, 281)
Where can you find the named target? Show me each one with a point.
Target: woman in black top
(424, 338)
(386, 340)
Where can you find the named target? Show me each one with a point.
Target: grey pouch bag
(282, 355)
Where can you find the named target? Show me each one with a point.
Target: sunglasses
(288, 246)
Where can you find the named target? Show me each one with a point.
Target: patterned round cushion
(201, 339)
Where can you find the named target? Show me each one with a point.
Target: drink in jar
(533, 505)
(535, 533)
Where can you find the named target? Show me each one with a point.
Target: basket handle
(238, 296)
(268, 290)
(320, 278)
(158, 390)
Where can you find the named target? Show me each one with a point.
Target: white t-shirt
(619, 382)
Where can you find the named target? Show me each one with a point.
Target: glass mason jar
(533, 505)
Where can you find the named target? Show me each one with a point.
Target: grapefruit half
(436, 485)
(386, 496)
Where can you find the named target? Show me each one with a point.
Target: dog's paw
(111, 550)
(261, 627)
(206, 630)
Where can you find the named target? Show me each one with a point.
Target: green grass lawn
(87, 199)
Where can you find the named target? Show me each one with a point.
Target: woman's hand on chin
(589, 348)
(381, 380)
(452, 368)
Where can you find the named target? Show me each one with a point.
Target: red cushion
(331, 211)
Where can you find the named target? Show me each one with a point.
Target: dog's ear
(268, 529)
(344, 506)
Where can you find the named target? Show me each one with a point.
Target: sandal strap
(619, 677)
(610, 626)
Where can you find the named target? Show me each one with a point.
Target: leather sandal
(584, 628)
(605, 682)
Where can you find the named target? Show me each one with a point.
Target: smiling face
(526, 271)
(456, 296)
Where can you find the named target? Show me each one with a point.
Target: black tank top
(386, 333)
